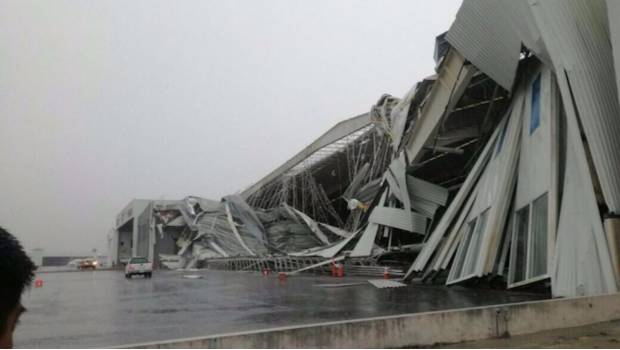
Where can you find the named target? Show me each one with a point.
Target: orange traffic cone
(340, 270)
(386, 273)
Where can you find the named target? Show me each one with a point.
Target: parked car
(139, 266)
(87, 264)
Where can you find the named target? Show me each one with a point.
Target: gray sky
(105, 101)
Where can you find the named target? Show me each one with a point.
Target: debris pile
(502, 167)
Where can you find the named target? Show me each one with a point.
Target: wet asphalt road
(103, 309)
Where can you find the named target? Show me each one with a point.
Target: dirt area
(595, 336)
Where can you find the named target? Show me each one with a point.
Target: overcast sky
(105, 101)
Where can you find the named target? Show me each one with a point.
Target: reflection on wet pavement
(102, 308)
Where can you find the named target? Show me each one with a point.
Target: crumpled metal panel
(453, 78)
(251, 231)
(453, 209)
(329, 251)
(493, 197)
(424, 207)
(490, 33)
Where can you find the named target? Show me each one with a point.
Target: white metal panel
(399, 117)
(427, 190)
(582, 264)
(535, 159)
(393, 184)
(366, 242)
(364, 245)
(481, 32)
(538, 160)
(613, 12)
(329, 251)
(336, 230)
(398, 168)
(584, 54)
(399, 218)
(424, 207)
(504, 184)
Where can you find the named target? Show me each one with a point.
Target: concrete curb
(419, 329)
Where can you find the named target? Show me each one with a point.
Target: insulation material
(233, 227)
(255, 236)
(314, 227)
(290, 236)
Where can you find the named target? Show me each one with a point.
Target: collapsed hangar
(502, 167)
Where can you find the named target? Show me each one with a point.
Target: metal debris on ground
(384, 283)
(338, 285)
(193, 277)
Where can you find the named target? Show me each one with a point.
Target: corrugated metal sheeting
(613, 11)
(486, 33)
(481, 35)
(577, 42)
